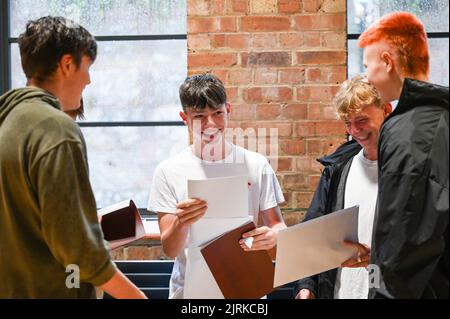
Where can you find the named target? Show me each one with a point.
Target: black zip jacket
(329, 197)
(410, 239)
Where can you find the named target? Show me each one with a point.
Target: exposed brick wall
(281, 61)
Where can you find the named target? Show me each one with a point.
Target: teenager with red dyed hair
(410, 239)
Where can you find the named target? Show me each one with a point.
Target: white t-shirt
(361, 189)
(169, 186)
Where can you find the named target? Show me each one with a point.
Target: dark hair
(47, 39)
(201, 90)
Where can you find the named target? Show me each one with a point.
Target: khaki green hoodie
(48, 214)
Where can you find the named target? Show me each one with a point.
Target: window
(433, 14)
(132, 103)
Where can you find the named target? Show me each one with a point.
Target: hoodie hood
(11, 99)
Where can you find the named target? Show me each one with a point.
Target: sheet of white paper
(315, 246)
(199, 282)
(226, 196)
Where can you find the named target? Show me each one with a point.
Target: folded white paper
(315, 246)
(226, 196)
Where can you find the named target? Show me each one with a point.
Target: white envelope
(226, 196)
(315, 246)
(199, 282)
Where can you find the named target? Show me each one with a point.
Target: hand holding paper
(362, 258)
(190, 210)
(263, 238)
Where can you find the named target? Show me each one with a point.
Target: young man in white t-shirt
(350, 178)
(206, 114)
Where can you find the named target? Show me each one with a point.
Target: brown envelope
(239, 274)
(121, 224)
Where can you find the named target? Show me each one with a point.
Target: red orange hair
(407, 34)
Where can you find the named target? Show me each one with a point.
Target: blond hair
(355, 94)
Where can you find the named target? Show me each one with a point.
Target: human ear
(66, 64)
(183, 117)
(388, 61)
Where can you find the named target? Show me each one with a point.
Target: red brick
(289, 6)
(198, 42)
(220, 73)
(253, 95)
(311, 39)
(308, 164)
(268, 94)
(334, 39)
(329, 113)
(302, 200)
(295, 182)
(266, 59)
(270, 24)
(320, 22)
(323, 146)
(284, 129)
(313, 182)
(198, 7)
(314, 111)
(263, 7)
(325, 128)
(284, 164)
(238, 6)
(311, 6)
(294, 112)
(237, 41)
(292, 76)
(218, 7)
(333, 6)
(211, 59)
(321, 57)
(211, 24)
(292, 147)
(313, 75)
(242, 76)
(315, 146)
(268, 111)
(316, 93)
(263, 40)
(266, 76)
(291, 40)
(306, 129)
(232, 94)
(332, 75)
(243, 112)
(218, 41)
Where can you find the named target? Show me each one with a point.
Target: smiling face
(364, 126)
(207, 124)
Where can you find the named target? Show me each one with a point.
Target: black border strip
(145, 37)
(131, 124)
(430, 35)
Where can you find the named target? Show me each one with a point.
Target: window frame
(6, 42)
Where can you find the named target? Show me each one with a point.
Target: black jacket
(329, 197)
(410, 239)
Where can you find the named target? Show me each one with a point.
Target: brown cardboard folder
(239, 274)
(121, 224)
